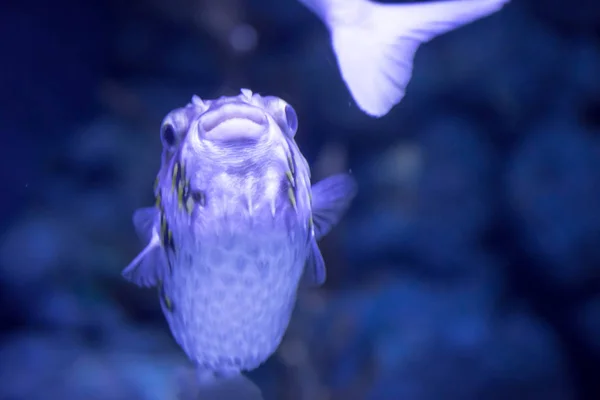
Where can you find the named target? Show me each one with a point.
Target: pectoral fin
(147, 269)
(331, 198)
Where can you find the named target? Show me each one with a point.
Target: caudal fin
(375, 55)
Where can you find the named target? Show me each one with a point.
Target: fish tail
(205, 385)
(375, 52)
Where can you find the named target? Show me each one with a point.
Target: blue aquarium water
(463, 265)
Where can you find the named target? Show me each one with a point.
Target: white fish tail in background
(375, 44)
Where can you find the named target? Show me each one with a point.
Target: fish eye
(199, 197)
(167, 135)
(291, 118)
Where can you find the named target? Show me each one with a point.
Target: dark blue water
(467, 268)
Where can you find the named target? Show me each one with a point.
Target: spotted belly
(229, 309)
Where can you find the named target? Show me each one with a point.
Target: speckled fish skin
(235, 227)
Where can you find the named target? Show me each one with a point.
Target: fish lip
(229, 111)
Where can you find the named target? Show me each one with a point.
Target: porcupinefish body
(234, 230)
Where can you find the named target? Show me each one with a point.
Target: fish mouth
(233, 122)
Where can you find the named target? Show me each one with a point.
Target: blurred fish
(375, 44)
(234, 231)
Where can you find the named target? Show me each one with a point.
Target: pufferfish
(234, 231)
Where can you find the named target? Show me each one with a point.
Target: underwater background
(468, 267)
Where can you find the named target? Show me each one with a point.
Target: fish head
(239, 151)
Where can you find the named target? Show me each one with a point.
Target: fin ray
(145, 269)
